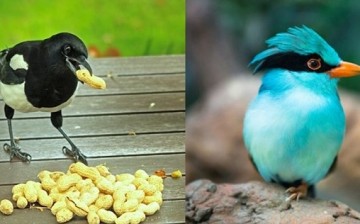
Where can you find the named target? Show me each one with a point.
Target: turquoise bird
(295, 126)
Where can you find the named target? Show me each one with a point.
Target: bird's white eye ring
(314, 63)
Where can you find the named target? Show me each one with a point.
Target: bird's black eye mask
(296, 62)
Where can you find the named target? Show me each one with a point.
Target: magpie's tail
(3, 54)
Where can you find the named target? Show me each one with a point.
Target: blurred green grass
(134, 27)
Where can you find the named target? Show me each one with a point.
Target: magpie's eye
(67, 49)
(314, 63)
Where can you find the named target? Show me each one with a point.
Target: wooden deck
(145, 96)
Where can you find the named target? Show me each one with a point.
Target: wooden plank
(139, 65)
(97, 125)
(138, 84)
(18, 172)
(170, 212)
(116, 104)
(105, 146)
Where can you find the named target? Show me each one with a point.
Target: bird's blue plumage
(303, 41)
(294, 128)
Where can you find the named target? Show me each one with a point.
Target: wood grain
(97, 125)
(139, 65)
(105, 146)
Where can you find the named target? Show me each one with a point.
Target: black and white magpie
(41, 76)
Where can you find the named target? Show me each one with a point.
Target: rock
(258, 202)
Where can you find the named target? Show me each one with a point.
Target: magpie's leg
(74, 152)
(14, 149)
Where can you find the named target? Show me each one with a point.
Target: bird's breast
(294, 135)
(51, 91)
(15, 97)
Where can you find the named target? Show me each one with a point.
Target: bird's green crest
(299, 40)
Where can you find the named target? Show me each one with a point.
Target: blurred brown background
(221, 38)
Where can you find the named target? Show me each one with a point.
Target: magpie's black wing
(8, 75)
(14, 62)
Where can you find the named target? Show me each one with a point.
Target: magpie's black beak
(75, 64)
(83, 72)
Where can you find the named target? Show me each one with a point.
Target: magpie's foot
(75, 153)
(297, 192)
(15, 151)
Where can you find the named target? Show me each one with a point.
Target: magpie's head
(68, 50)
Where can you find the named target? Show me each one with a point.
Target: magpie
(40, 75)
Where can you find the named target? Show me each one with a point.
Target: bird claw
(296, 192)
(293, 196)
(75, 153)
(15, 151)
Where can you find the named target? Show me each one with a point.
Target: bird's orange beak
(345, 69)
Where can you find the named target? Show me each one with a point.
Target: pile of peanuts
(91, 192)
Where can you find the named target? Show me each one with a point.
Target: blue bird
(295, 126)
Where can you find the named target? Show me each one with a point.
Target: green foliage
(134, 27)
